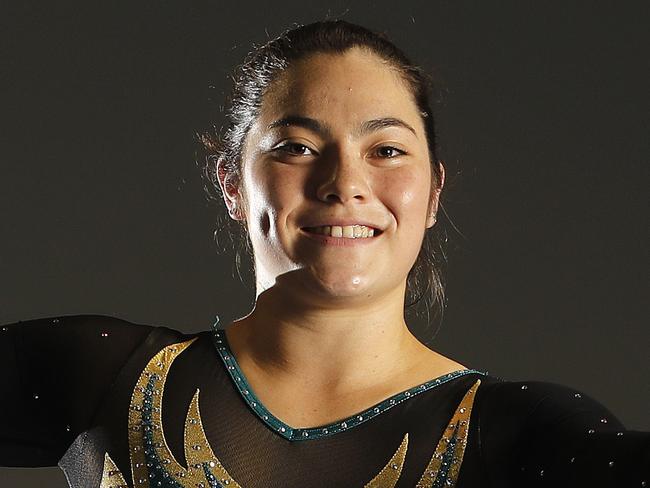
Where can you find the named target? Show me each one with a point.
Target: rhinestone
(282, 429)
(344, 425)
(394, 466)
(604, 421)
(376, 409)
(212, 464)
(423, 387)
(619, 434)
(591, 431)
(643, 483)
(196, 447)
(55, 321)
(35, 396)
(463, 410)
(611, 464)
(201, 485)
(104, 334)
(231, 367)
(392, 402)
(67, 428)
(226, 357)
(524, 387)
(541, 473)
(238, 378)
(265, 417)
(254, 404)
(577, 395)
(572, 460)
(326, 431)
(4, 329)
(305, 434)
(359, 418)
(245, 392)
(408, 393)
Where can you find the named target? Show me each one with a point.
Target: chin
(337, 286)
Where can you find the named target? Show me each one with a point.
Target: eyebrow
(324, 130)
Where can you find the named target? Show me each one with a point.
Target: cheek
(407, 195)
(272, 193)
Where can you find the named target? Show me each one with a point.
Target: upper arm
(553, 435)
(55, 373)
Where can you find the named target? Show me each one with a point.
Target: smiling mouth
(346, 232)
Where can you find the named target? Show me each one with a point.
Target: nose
(343, 178)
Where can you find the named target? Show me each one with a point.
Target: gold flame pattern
(205, 469)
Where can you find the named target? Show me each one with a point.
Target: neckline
(220, 342)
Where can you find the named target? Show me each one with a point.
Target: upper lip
(342, 223)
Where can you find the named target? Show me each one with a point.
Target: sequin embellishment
(445, 463)
(112, 477)
(389, 475)
(154, 465)
(305, 434)
(152, 462)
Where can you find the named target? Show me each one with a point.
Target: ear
(230, 190)
(434, 198)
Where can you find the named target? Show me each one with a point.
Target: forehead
(349, 87)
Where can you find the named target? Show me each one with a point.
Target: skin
(327, 336)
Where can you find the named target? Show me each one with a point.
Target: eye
(293, 148)
(389, 152)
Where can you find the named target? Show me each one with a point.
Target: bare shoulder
(425, 365)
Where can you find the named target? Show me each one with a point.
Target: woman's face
(339, 141)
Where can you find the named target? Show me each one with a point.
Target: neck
(333, 347)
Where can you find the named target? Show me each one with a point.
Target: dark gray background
(543, 120)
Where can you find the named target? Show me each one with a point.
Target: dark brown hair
(253, 78)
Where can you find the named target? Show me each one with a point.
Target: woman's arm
(54, 374)
(554, 436)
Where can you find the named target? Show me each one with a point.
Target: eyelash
(284, 147)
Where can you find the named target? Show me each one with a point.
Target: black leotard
(112, 402)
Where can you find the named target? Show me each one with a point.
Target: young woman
(329, 167)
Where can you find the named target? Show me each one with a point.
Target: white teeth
(347, 231)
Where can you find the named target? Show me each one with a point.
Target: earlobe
(434, 198)
(229, 190)
(432, 217)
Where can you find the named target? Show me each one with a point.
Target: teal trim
(303, 434)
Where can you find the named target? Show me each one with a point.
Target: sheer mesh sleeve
(560, 437)
(54, 374)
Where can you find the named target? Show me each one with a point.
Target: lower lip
(339, 241)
